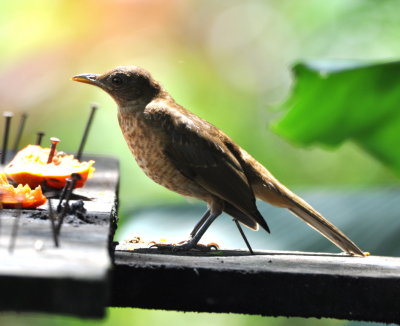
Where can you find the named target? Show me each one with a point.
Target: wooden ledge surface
(269, 283)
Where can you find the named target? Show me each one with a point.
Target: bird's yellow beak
(87, 79)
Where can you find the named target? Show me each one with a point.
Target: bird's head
(130, 86)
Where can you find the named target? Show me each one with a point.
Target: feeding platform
(74, 277)
(88, 272)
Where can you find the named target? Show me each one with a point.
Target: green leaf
(332, 103)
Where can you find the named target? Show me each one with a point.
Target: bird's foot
(188, 245)
(185, 246)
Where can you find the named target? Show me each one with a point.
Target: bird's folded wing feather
(197, 152)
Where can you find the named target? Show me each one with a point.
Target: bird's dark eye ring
(117, 81)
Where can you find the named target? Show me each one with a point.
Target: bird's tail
(303, 210)
(267, 188)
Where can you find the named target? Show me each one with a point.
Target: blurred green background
(228, 61)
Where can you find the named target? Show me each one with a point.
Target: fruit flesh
(21, 196)
(30, 167)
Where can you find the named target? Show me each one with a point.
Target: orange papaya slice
(30, 167)
(21, 196)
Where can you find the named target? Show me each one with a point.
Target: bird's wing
(196, 149)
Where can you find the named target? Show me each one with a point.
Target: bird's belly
(147, 148)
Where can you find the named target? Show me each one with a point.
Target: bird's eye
(117, 80)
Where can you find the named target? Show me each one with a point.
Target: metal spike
(54, 142)
(14, 231)
(62, 194)
(86, 132)
(21, 126)
(53, 223)
(8, 116)
(39, 138)
(74, 178)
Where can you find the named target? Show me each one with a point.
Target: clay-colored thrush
(190, 156)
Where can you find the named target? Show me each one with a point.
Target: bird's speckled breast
(147, 144)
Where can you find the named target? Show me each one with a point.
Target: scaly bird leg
(200, 229)
(197, 232)
(243, 236)
(211, 218)
(204, 218)
(200, 223)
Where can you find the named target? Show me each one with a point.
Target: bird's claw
(187, 246)
(161, 246)
(184, 246)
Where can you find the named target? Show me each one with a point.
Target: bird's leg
(211, 218)
(200, 223)
(215, 209)
(195, 236)
(243, 236)
(200, 229)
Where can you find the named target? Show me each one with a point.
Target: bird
(188, 155)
